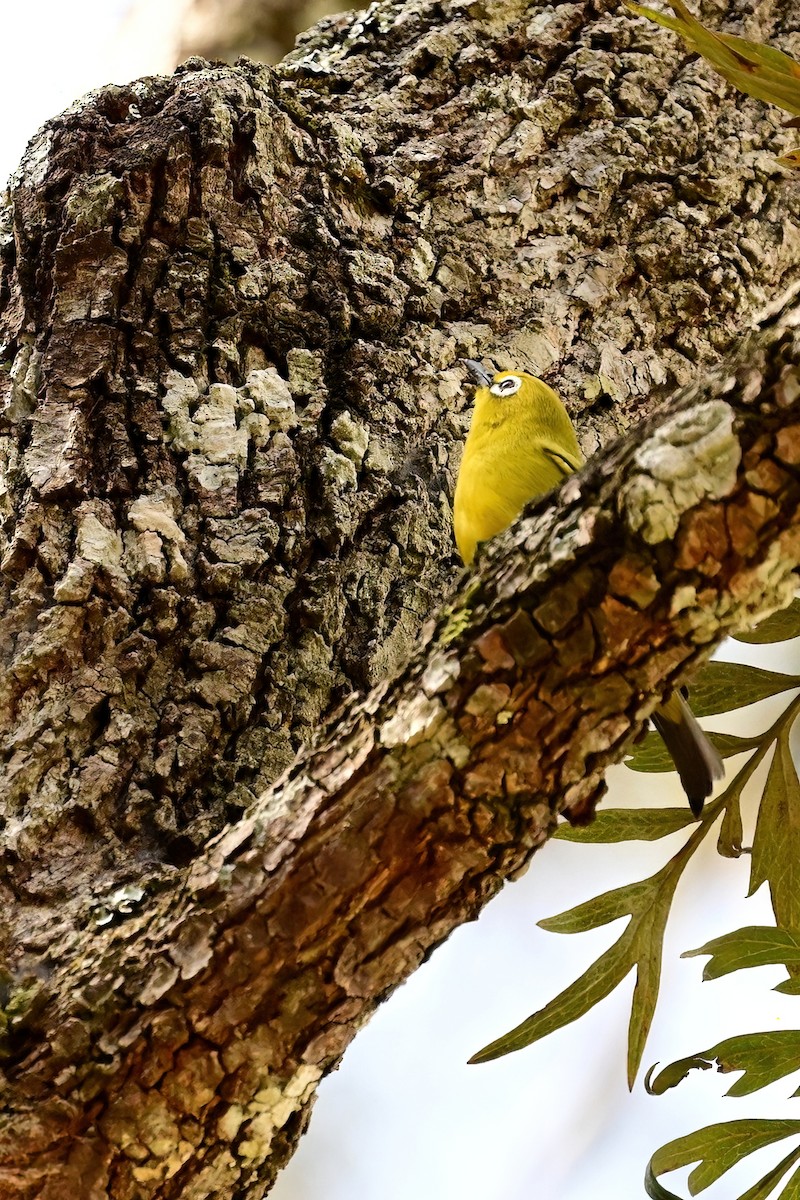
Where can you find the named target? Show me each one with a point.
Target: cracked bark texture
(232, 307)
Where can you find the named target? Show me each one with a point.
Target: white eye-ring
(507, 386)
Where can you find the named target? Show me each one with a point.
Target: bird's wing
(564, 462)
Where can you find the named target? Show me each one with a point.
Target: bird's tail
(697, 762)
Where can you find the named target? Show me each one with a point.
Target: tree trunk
(233, 304)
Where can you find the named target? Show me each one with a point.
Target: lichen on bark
(232, 305)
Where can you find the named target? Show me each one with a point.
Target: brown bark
(232, 305)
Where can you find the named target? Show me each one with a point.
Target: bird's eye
(507, 386)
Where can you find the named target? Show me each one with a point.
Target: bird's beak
(479, 373)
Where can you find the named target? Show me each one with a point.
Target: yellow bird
(521, 443)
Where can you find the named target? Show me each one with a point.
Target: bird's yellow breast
(518, 447)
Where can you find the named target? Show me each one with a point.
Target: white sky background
(405, 1116)
(52, 53)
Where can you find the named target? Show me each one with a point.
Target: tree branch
(226, 447)
(418, 803)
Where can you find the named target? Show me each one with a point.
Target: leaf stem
(736, 786)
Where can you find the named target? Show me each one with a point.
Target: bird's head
(499, 384)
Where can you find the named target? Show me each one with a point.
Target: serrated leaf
(628, 825)
(753, 946)
(763, 1057)
(651, 755)
(592, 987)
(721, 687)
(776, 846)
(778, 627)
(715, 1149)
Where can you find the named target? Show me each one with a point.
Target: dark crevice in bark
(228, 438)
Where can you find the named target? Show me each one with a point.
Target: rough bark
(232, 305)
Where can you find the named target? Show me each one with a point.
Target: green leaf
(778, 627)
(766, 1186)
(763, 1057)
(721, 687)
(729, 744)
(592, 987)
(628, 825)
(715, 1149)
(729, 842)
(753, 946)
(675, 1073)
(654, 1188)
(600, 910)
(651, 754)
(776, 846)
(792, 1189)
(647, 902)
(640, 945)
(648, 977)
(755, 69)
(788, 987)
